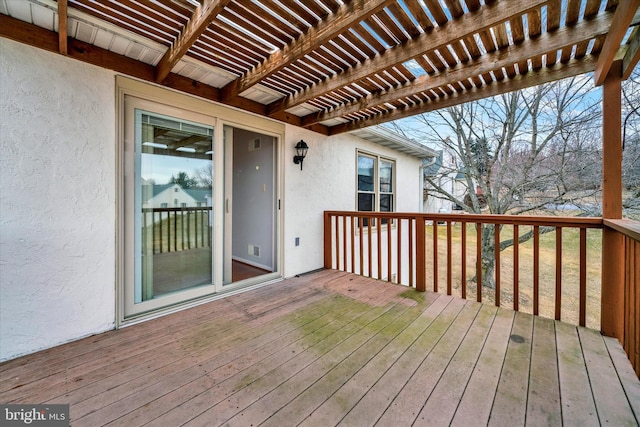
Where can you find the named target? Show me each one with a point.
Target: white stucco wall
(57, 199)
(328, 182)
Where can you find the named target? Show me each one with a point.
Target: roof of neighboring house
(152, 190)
(388, 138)
(198, 194)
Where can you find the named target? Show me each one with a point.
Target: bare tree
(528, 151)
(631, 145)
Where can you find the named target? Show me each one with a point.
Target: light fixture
(301, 152)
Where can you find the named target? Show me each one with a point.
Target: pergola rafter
(338, 65)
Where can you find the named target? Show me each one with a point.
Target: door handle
(227, 205)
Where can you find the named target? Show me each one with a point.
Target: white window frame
(376, 181)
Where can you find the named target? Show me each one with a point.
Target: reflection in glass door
(173, 209)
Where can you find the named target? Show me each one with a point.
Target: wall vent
(254, 145)
(254, 250)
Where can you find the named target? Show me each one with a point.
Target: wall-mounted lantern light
(301, 152)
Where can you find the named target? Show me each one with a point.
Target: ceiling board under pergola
(336, 65)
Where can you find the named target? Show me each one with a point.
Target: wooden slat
(463, 266)
(370, 246)
(578, 407)
(353, 243)
(496, 247)
(611, 402)
(558, 302)
(344, 243)
(327, 241)
(398, 250)
(379, 242)
(543, 401)
(632, 55)
(536, 270)
(195, 27)
(389, 250)
(449, 259)
(476, 402)
(516, 267)
(435, 255)
(479, 262)
(62, 26)
(468, 24)
(510, 403)
(583, 278)
(420, 255)
(410, 250)
(621, 20)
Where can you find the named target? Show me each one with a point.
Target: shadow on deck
(334, 348)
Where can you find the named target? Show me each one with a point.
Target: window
(183, 205)
(376, 184)
(164, 205)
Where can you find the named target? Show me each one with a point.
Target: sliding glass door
(170, 194)
(200, 207)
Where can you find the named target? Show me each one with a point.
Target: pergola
(335, 66)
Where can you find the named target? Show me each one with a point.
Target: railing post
(612, 319)
(327, 241)
(421, 282)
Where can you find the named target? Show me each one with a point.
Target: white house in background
(74, 263)
(444, 169)
(174, 196)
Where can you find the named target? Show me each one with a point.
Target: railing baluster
(379, 240)
(463, 272)
(516, 268)
(353, 243)
(344, 243)
(337, 242)
(410, 252)
(435, 255)
(388, 251)
(175, 231)
(536, 269)
(449, 260)
(399, 249)
(361, 242)
(583, 277)
(420, 254)
(558, 312)
(479, 262)
(161, 248)
(369, 251)
(496, 248)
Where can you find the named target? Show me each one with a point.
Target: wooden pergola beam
(466, 26)
(622, 18)
(202, 17)
(562, 38)
(62, 27)
(533, 78)
(42, 38)
(345, 17)
(632, 56)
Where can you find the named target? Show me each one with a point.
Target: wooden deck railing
(177, 229)
(443, 250)
(630, 318)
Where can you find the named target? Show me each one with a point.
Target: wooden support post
(327, 242)
(612, 242)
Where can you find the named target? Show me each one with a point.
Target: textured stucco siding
(328, 182)
(57, 199)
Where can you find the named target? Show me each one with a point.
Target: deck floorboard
(332, 348)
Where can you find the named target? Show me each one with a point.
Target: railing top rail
(187, 208)
(552, 221)
(627, 227)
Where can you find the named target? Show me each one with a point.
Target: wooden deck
(332, 348)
